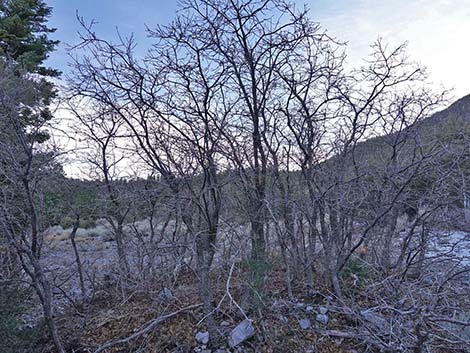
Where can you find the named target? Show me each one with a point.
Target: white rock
(322, 318)
(305, 324)
(202, 337)
(75, 292)
(166, 294)
(376, 319)
(241, 333)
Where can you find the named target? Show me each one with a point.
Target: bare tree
(101, 132)
(175, 127)
(329, 115)
(250, 103)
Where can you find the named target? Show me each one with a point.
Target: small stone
(225, 323)
(322, 318)
(299, 305)
(309, 308)
(202, 337)
(376, 319)
(75, 292)
(166, 294)
(305, 324)
(312, 292)
(241, 333)
(323, 310)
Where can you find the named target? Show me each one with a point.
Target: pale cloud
(438, 32)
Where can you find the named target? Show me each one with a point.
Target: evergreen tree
(24, 46)
(24, 35)
(26, 163)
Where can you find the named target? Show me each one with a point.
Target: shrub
(13, 337)
(356, 271)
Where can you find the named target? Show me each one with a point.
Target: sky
(437, 31)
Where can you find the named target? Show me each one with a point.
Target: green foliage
(357, 272)
(23, 34)
(68, 222)
(66, 197)
(13, 337)
(24, 46)
(258, 270)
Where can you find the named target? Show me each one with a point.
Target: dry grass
(57, 233)
(111, 316)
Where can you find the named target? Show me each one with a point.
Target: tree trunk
(122, 257)
(388, 240)
(43, 290)
(205, 255)
(77, 257)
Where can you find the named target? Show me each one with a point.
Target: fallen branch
(359, 336)
(149, 326)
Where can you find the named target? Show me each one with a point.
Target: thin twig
(146, 328)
